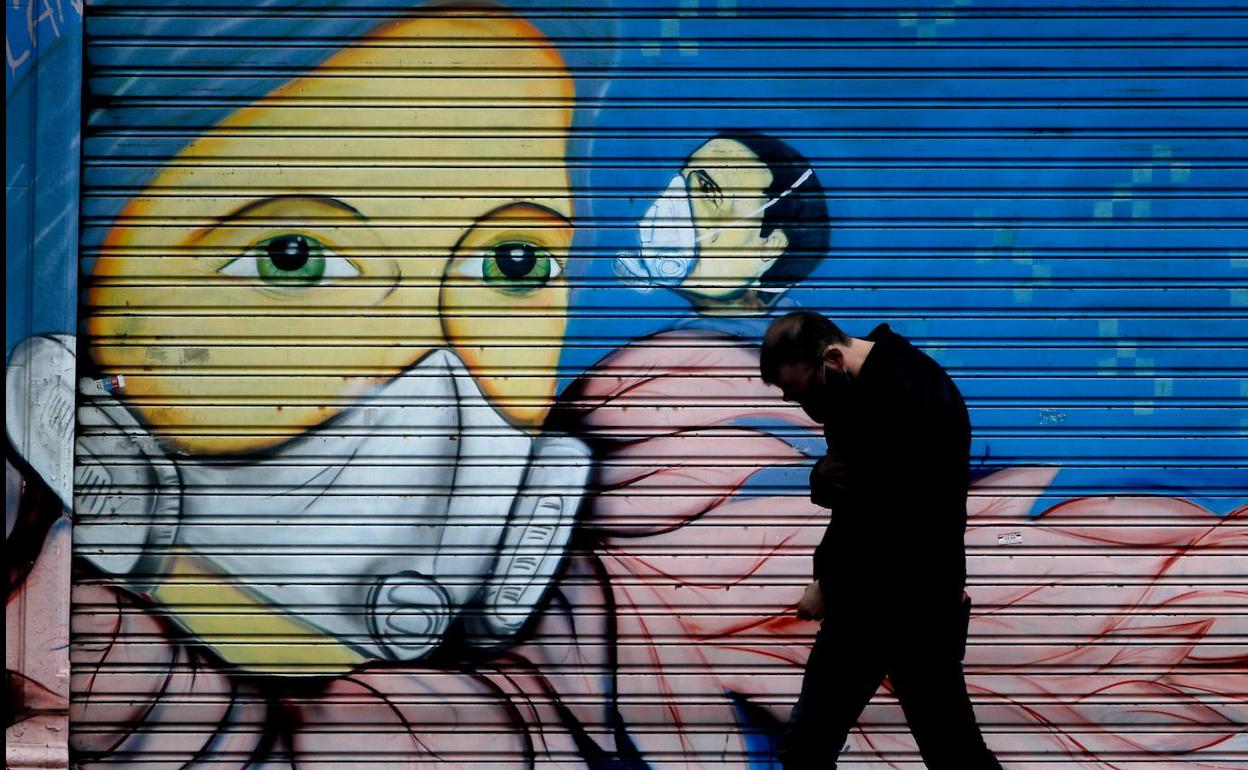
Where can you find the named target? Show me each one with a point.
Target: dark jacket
(902, 441)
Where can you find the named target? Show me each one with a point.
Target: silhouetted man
(890, 572)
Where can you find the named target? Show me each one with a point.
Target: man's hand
(829, 480)
(811, 606)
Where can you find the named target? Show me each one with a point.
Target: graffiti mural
(409, 410)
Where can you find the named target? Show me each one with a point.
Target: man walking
(890, 571)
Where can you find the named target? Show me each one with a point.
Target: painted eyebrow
(544, 209)
(323, 199)
(705, 177)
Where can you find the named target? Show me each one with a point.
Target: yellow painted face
(410, 193)
(727, 186)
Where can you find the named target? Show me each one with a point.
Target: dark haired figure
(890, 572)
(743, 221)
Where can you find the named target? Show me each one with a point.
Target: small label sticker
(1010, 538)
(1052, 416)
(110, 384)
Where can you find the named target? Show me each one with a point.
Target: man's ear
(834, 356)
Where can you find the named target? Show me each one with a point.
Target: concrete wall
(43, 102)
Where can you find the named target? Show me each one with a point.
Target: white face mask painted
(669, 238)
(378, 528)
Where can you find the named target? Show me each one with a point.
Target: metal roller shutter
(412, 435)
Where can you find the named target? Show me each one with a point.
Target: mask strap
(805, 175)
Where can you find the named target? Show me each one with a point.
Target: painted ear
(773, 247)
(532, 547)
(39, 409)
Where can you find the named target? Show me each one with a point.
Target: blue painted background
(1067, 235)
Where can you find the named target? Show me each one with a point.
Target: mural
(414, 414)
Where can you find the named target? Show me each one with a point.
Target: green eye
(290, 260)
(517, 266)
(291, 257)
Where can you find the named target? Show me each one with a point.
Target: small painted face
(327, 237)
(727, 186)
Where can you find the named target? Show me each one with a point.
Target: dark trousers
(846, 667)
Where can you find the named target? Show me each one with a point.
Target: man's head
(745, 214)
(803, 354)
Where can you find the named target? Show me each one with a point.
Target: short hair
(796, 337)
(802, 214)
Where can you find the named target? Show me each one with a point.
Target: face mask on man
(669, 238)
(826, 390)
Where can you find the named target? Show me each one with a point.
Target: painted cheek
(512, 355)
(388, 335)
